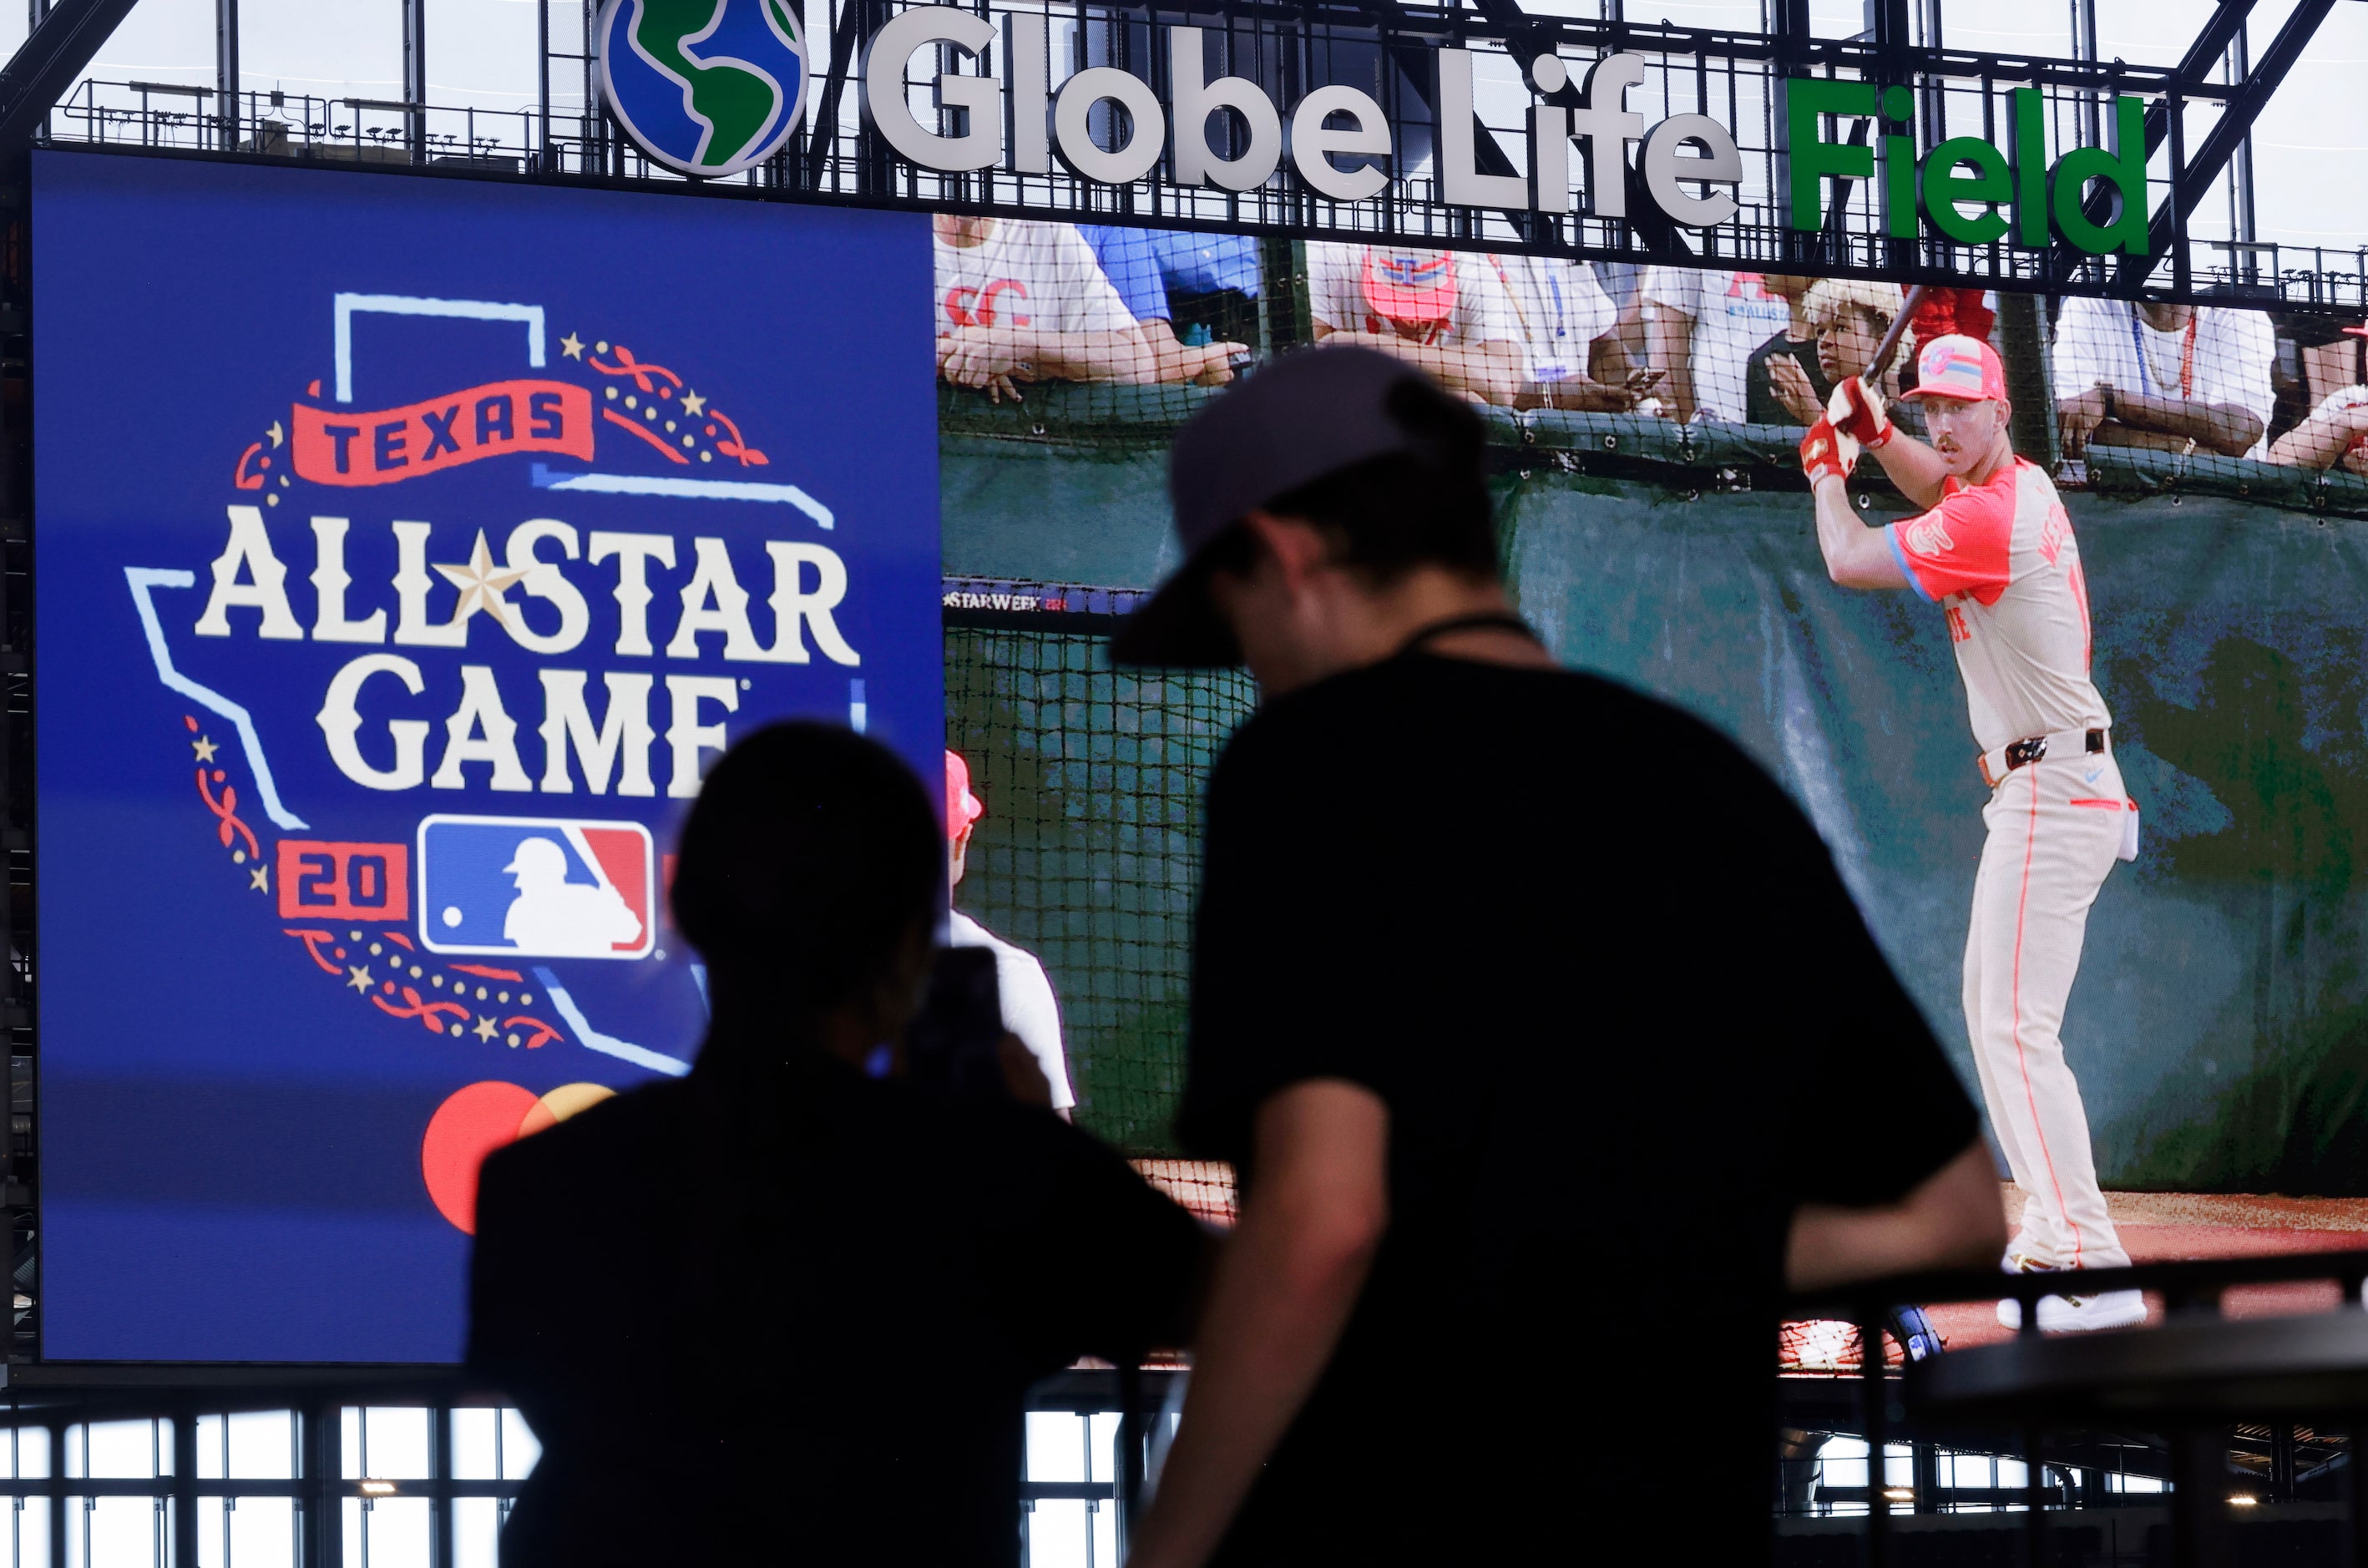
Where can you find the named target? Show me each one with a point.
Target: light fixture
(2240, 1501)
(378, 1488)
(1900, 1494)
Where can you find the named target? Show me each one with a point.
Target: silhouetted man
(783, 1307)
(1545, 1037)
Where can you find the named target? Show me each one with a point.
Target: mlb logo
(537, 887)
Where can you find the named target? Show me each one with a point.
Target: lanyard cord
(1495, 619)
(2186, 354)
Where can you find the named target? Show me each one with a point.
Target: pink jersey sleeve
(1965, 545)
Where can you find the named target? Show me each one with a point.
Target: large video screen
(408, 546)
(2148, 977)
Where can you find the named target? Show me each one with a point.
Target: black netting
(1089, 853)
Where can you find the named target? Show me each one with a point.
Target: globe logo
(708, 87)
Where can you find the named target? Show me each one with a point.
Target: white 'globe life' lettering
(1312, 140)
(1018, 121)
(1072, 126)
(977, 97)
(1196, 100)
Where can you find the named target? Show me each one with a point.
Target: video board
(2165, 1036)
(408, 547)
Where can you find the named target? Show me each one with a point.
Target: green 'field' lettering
(1966, 188)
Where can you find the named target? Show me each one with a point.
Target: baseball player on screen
(1994, 550)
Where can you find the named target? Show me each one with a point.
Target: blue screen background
(232, 1164)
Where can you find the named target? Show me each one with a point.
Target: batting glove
(1827, 451)
(1857, 412)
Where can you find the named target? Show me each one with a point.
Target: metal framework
(1290, 50)
(564, 136)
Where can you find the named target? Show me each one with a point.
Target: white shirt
(1336, 296)
(1732, 315)
(1029, 1008)
(2222, 357)
(1560, 308)
(1039, 275)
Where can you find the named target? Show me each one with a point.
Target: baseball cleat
(2070, 1313)
(2080, 1315)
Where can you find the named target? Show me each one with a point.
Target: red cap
(1413, 286)
(962, 808)
(1962, 368)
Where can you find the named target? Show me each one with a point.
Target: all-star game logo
(706, 87)
(502, 653)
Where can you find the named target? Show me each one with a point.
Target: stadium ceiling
(2221, 82)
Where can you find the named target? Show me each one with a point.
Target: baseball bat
(1890, 344)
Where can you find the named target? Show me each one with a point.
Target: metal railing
(1869, 1455)
(2201, 1477)
(832, 161)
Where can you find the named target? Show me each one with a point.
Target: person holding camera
(1546, 1041)
(791, 1304)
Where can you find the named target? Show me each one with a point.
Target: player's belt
(1997, 765)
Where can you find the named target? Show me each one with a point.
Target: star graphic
(358, 977)
(481, 586)
(485, 1029)
(259, 879)
(205, 748)
(277, 434)
(694, 404)
(572, 345)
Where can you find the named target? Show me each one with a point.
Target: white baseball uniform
(1029, 1008)
(2001, 560)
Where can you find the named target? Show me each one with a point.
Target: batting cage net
(1075, 332)
(1088, 852)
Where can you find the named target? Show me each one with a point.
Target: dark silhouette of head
(807, 867)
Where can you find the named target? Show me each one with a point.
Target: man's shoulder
(2247, 327)
(644, 1121)
(962, 931)
(1400, 703)
(1011, 960)
(2079, 310)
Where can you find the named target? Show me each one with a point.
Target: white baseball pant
(2055, 829)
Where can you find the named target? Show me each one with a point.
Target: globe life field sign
(673, 82)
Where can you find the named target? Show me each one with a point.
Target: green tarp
(2220, 1026)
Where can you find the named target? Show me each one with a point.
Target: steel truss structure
(1289, 49)
(2199, 118)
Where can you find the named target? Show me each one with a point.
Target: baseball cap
(1306, 415)
(1413, 286)
(1956, 366)
(962, 808)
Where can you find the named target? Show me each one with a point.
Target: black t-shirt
(799, 1324)
(1760, 404)
(1625, 1018)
